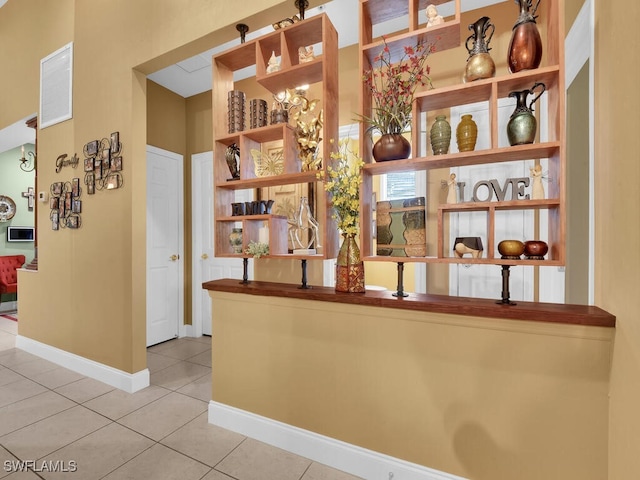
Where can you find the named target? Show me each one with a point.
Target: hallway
(60, 420)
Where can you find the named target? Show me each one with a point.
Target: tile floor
(61, 420)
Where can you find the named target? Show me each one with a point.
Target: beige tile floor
(63, 420)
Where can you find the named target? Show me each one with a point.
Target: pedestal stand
(304, 275)
(505, 287)
(400, 288)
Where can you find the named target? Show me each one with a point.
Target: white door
(205, 265)
(165, 285)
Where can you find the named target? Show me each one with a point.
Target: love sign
(485, 190)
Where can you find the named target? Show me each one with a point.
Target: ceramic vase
(522, 125)
(466, 134)
(391, 146)
(440, 135)
(349, 267)
(235, 240)
(480, 64)
(525, 46)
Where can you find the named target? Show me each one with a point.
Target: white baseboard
(8, 307)
(129, 382)
(343, 456)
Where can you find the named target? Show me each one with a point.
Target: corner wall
(617, 176)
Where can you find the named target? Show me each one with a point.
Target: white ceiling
(17, 135)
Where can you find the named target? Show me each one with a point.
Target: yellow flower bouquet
(343, 181)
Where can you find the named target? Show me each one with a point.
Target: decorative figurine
(471, 245)
(274, 63)
(433, 18)
(537, 190)
(232, 156)
(305, 54)
(452, 192)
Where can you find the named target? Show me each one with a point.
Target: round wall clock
(7, 208)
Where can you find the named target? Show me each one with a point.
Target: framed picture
(67, 201)
(56, 189)
(97, 172)
(54, 221)
(73, 221)
(106, 159)
(115, 143)
(90, 182)
(75, 187)
(113, 181)
(91, 149)
(116, 164)
(77, 206)
(88, 164)
(53, 203)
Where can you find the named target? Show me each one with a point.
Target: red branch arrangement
(393, 85)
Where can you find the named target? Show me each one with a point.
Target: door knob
(174, 257)
(204, 256)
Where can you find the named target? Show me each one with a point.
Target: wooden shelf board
(236, 58)
(480, 90)
(475, 307)
(239, 218)
(444, 37)
(264, 134)
(464, 260)
(294, 76)
(507, 205)
(285, 179)
(476, 157)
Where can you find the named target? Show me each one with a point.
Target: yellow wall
(89, 293)
(487, 399)
(88, 297)
(617, 176)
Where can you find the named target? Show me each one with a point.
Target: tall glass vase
(349, 267)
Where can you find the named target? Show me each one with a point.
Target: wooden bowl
(535, 249)
(511, 249)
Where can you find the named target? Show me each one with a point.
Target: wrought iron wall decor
(103, 164)
(65, 204)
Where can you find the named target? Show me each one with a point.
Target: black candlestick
(301, 5)
(243, 29)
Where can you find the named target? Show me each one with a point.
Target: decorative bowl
(511, 249)
(535, 249)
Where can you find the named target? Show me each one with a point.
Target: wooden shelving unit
(490, 90)
(285, 43)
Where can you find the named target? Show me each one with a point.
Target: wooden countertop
(479, 307)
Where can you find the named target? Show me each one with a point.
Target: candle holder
(301, 5)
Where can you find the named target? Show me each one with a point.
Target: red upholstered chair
(9, 264)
